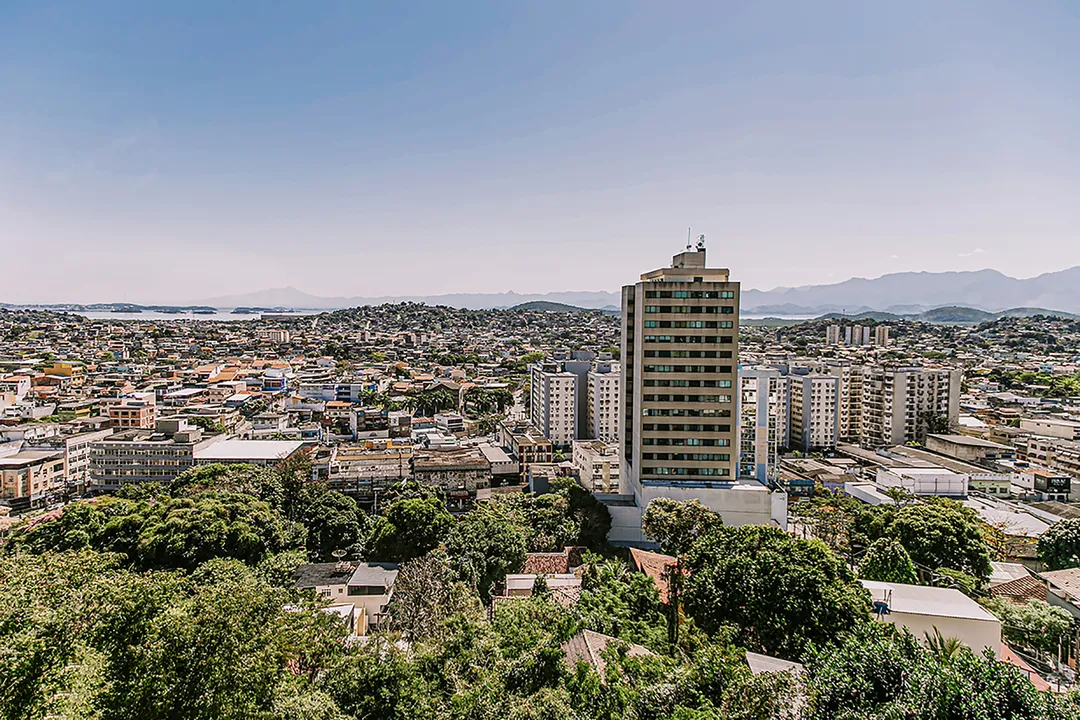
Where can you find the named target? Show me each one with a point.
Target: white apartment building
(849, 408)
(553, 402)
(901, 405)
(815, 420)
(763, 421)
(597, 463)
(604, 402)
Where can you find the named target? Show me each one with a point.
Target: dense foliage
(181, 604)
(888, 561)
(1059, 547)
(783, 594)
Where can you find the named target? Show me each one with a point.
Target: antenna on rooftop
(689, 245)
(701, 242)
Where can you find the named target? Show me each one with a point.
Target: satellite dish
(339, 554)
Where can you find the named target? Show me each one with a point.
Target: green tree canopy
(486, 544)
(888, 561)
(781, 593)
(411, 527)
(168, 532)
(1059, 547)
(675, 526)
(333, 522)
(943, 534)
(1035, 624)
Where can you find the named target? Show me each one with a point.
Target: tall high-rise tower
(680, 357)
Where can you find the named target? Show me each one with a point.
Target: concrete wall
(976, 634)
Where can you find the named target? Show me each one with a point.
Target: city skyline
(538, 148)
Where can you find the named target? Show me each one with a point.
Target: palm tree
(943, 648)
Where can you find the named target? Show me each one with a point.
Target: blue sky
(156, 152)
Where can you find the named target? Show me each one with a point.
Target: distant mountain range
(902, 294)
(291, 297)
(915, 292)
(906, 293)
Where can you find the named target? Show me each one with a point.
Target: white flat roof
(249, 450)
(921, 600)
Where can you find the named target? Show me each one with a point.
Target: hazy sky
(172, 151)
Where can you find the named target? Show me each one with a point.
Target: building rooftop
(249, 450)
(317, 574)
(921, 600)
(374, 574)
(971, 441)
(459, 457)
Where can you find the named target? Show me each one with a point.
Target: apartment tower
(680, 354)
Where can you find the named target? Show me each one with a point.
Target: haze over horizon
(162, 154)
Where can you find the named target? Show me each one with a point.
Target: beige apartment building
(901, 405)
(679, 367)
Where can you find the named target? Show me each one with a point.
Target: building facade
(604, 402)
(553, 404)
(815, 419)
(763, 410)
(901, 405)
(679, 359)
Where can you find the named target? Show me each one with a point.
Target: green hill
(546, 306)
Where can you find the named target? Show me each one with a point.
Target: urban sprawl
(921, 473)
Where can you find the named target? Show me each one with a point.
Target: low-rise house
(924, 610)
(367, 587)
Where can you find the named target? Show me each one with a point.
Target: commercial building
(679, 358)
(924, 481)
(460, 472)
(143, 455)
(138, 410)
(553, 407)
(250, 452)
(526, 444)
(926, 610)
(1051, 427)
(28, 477)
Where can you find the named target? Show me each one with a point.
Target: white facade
(897, 403)
(604, 404)
(597, 463)
(763, 420)
(815, 420)
(553, 408)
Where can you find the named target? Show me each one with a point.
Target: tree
(486, 544)
(782, 594)
(878, 672)
(888, 561)
(621, 603)
(426, 594)
(942, 534)
(410, 528)
(333, 522)
(1059, 547)
(675, 526)
(1035, 625)
(169, 532)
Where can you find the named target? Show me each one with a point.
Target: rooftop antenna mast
(689, 244)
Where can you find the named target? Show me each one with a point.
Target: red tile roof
(655, 565)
